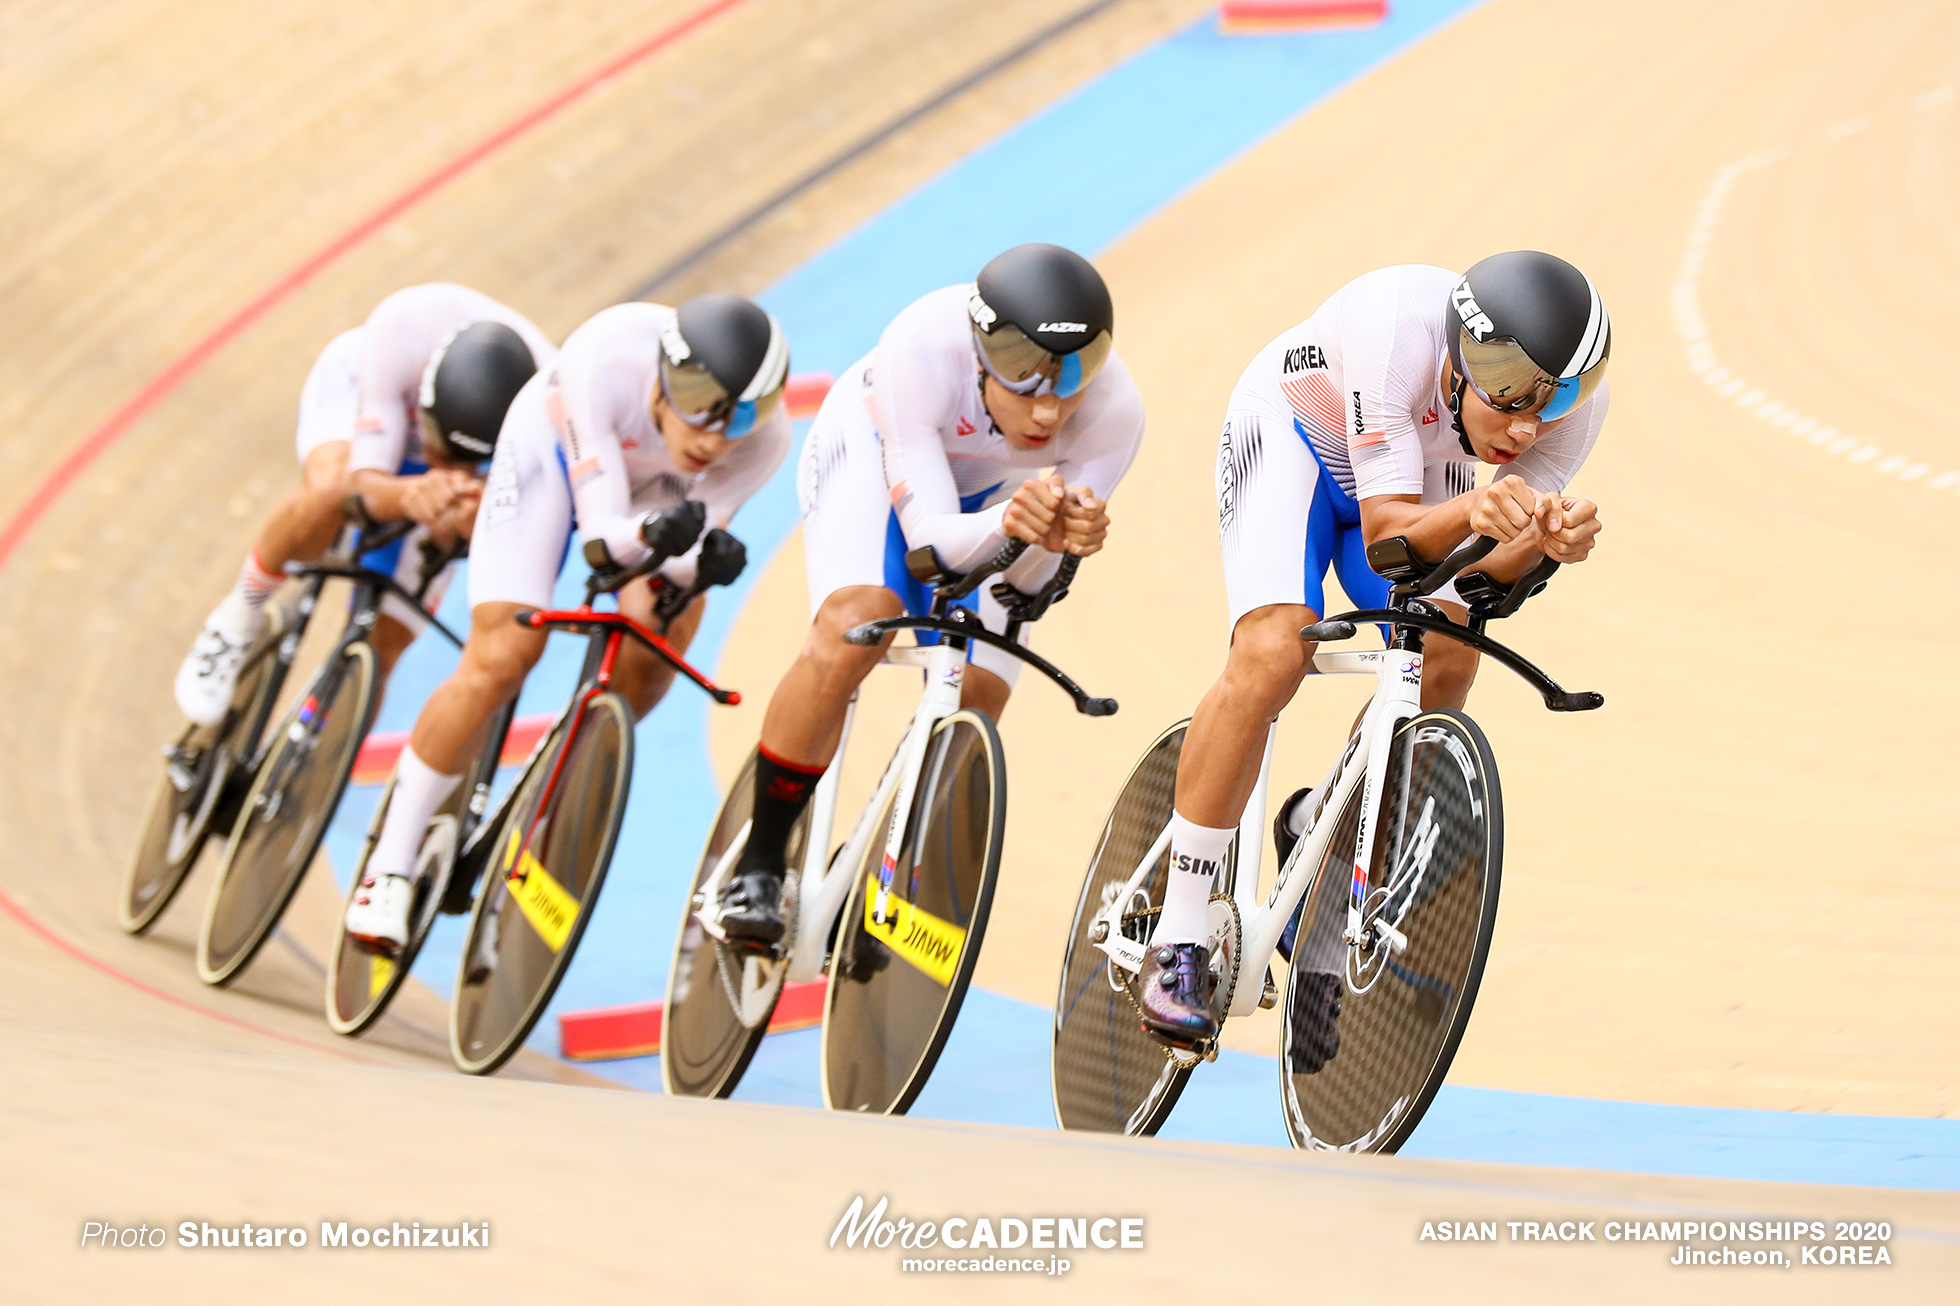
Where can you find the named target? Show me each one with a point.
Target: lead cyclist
(1364, 422)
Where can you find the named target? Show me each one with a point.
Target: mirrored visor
(1025, 367)
(704, 404)
(1506, 378)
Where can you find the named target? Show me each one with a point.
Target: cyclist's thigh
(840, 483)
(328, 401)
(524, 525)
(1276, 530)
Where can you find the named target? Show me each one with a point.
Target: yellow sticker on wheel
(542, 899)
(380, 971)
(929, 943)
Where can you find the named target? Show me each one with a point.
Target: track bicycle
(1383, 910)
(545, 854)
(305, 764)
(920, 894)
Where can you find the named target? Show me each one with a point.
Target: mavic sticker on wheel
(928, 943)
(380, 971)
(542, 899)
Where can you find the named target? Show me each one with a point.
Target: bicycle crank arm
(1119, 947)
(965, 625)
(1556, 698)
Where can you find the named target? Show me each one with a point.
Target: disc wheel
(199, 770)
(719, 999)
(541, 885)
(286, 813)
(900, 969)
(1434, 877)
(362, 982)
(1108, 1075)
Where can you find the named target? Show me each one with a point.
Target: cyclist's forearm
(381, 493)
(1432, 529)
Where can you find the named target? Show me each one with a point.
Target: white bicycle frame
(945, 671)
(1398, 697)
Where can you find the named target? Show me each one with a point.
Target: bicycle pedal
(1268, 992)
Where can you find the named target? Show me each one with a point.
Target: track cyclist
(652, 423)
(401, 409)
(1364, 422)
(939, 436)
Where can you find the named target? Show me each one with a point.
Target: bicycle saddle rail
(966, 624)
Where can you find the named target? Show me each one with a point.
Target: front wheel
(904, 958)
(1434, 879)
(285, 816)
(542, 882)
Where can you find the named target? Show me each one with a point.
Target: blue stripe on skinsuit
(916, 596)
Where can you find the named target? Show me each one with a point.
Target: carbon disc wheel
(541, 885)
(719, 999)
(361, 982)
(1108, 1075)
(1399, 1016)
(285, 816)
(904, 958)
(198, 770)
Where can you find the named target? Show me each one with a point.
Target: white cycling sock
(1197, 854)
(242, 611)
(419, 790)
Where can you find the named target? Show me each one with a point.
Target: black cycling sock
(782, 791)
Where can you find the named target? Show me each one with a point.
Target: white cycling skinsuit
(1345, 406)
(580, 446)
(397, 341)
(903, 454)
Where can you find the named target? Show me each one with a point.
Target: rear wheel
(1108, 1074)
(200, 772)
(901, 966)
(1434, 878)
(286, 814)
(362, 982)
(719, 999)
(541, 885)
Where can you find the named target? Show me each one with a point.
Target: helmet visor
(1507, 378)
(1025, 367)
(703, 403)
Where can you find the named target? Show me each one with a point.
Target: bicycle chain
(791, 901)
(1173, 1054)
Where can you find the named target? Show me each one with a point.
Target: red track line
(47, 935)
(174, 373)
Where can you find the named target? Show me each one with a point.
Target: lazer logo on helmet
(981, 312)
(1475, 321)
(1306, 358)
(1063, 328)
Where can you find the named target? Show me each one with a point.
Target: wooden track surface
(1731, 887)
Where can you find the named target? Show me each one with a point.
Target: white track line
(1703, 361)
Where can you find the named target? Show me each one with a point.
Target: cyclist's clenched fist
(435, 492)
(1085, 521)
(1563, 528)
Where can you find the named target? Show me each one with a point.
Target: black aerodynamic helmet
(724, 363)
(467, 388)
(1528, 331)
(1041, 320)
